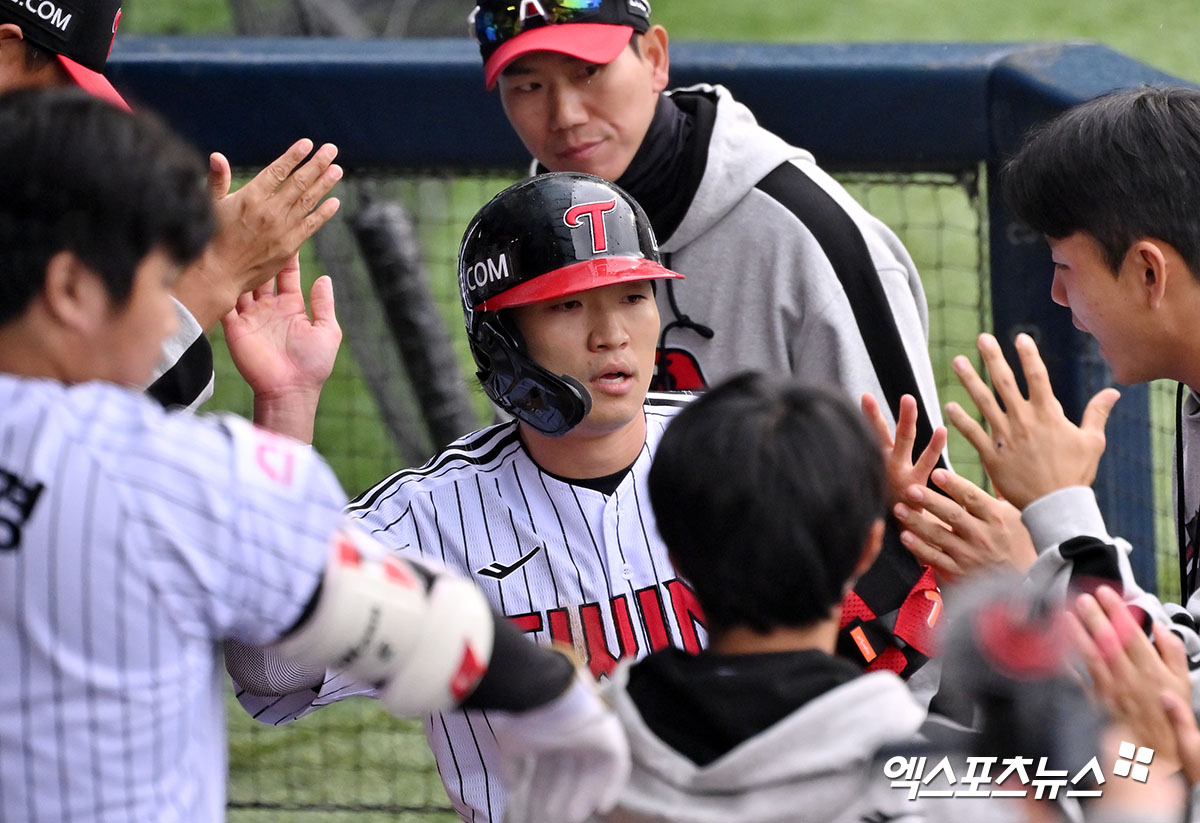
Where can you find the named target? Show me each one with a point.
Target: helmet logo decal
(526, 5)
(594, 212)
(492, 270)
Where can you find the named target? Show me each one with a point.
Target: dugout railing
(917, 131)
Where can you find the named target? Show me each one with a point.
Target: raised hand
(1033, 449)
(283, 355)
(259, 227)
(964, 531)
(902, 470)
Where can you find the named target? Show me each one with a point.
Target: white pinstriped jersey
(132, 541)
(564, 562)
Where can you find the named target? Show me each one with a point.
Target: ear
(871, 547)
(73, 295)
(1151, 265)
(12, 49)
(654, 52)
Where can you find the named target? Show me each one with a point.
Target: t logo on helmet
(594, 212)
(526, 5)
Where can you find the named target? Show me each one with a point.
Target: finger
(943, 565)
(1089, 652)
(267, 289)
(953, 519)
(320, 298)
(969, 428)
(288, 279)
(277, 173)
(244, 302)
(1187, 735)
(1134, 641)
(1001, 374)
(220, 175)
(1171, 650)
(906, 427)
(1037, 379)
(980, 394)
(874, 415)
(929, 457)
(975, 500)
(318, 218)
(308, 184)
(1108, 641)
(229, 321)
(1096, 414)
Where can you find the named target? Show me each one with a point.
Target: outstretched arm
(259, 227)
(283, 355)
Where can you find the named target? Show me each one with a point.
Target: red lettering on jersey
(531, 622)
(600, 658)
(594, 212)
(560, 627)
(470, 670)
(688, 614)
(653, 618)
(277, 462)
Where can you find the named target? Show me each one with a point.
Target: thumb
(1095, 416)
(220, 176)
(320, 299)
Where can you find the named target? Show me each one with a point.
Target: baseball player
(132, 540)
(259, 227)
(547, 513)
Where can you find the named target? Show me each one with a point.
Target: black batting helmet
(546, 237)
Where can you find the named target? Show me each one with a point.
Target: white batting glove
(563, 761)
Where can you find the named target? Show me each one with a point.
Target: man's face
(128, 342)
(1110, 308)
(604, 338)
(583, 117)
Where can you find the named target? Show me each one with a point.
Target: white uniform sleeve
(241, 520)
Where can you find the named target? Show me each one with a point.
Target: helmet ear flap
(552, 404)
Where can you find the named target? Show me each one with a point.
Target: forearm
(292, 414)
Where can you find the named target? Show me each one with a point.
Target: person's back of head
(1120, 167)
(82, 176)
(766, 493)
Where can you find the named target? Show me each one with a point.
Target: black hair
(765, 491)
(37, 57)
(79, 175)
(1120, 167)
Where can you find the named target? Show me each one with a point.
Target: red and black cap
(79, 32)
(592, 30)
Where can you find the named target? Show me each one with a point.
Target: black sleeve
(522, 675)
(186, 379)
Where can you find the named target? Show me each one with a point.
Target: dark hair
(37, 57)
(1119, 167)
(765, 491)
(79, 175)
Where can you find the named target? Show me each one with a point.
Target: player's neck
(24, 354)
(745, 640)
(583, 453)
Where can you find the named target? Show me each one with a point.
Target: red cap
(592, 42)
(579, 277)
(93, 82)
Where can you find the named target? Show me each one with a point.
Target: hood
(819, 758)
(740, 153)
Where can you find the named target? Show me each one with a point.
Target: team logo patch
(594, 214)
(499, 571)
